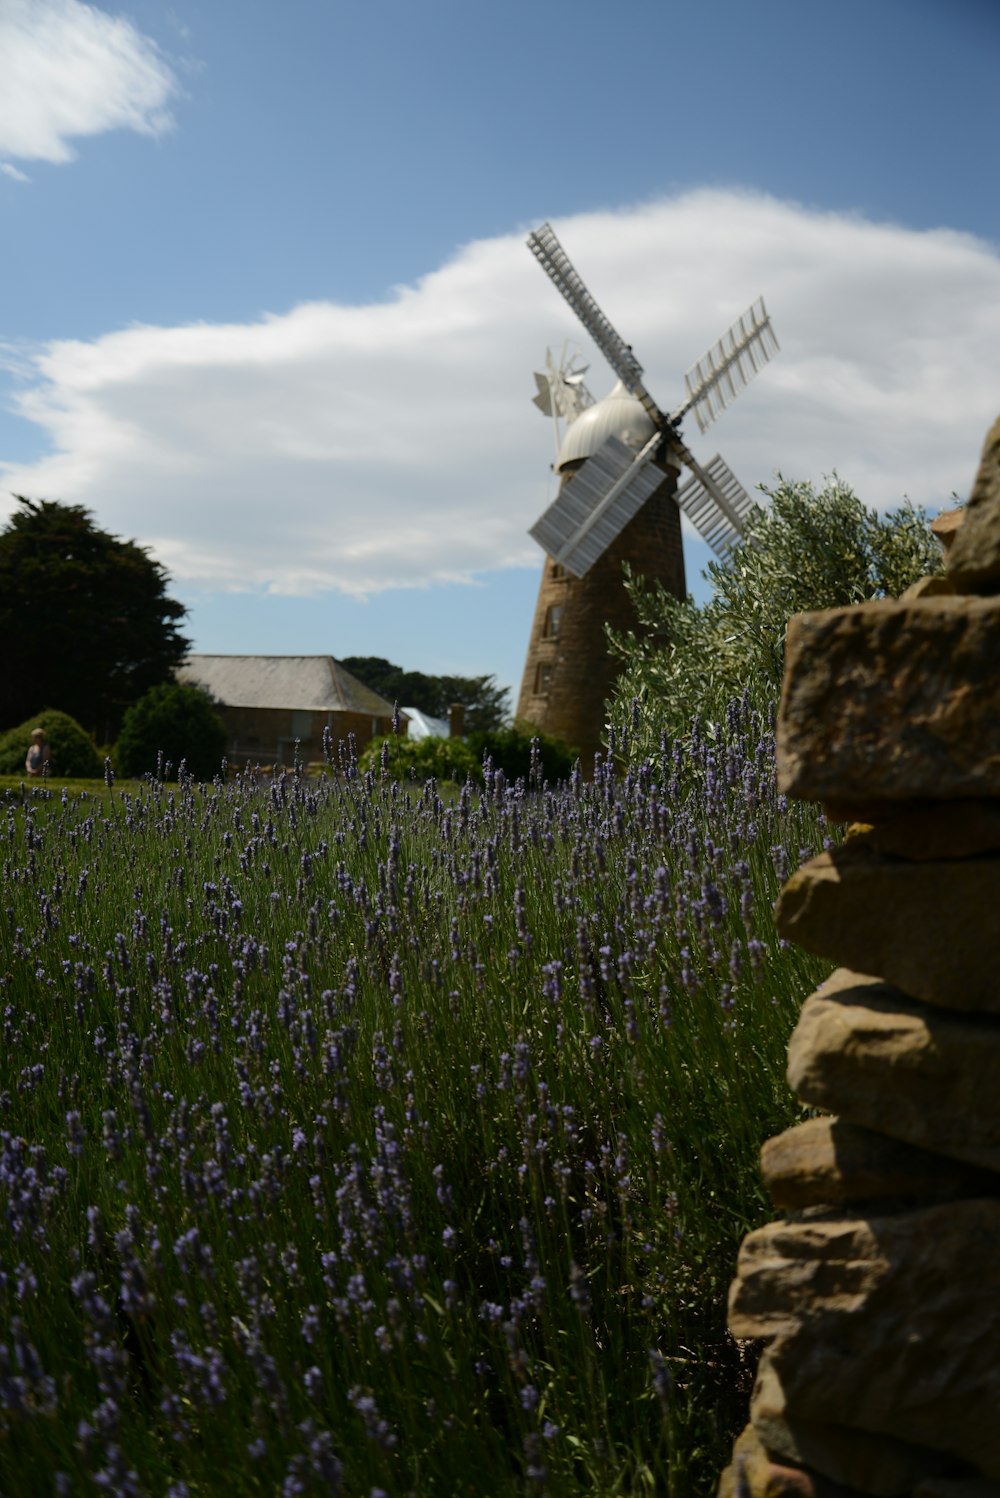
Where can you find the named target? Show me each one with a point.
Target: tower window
(553, 614)
(543, 678)
(558, 572)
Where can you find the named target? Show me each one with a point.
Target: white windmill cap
(617, 415)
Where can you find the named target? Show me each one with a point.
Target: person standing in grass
(38, 755)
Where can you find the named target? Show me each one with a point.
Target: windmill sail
(717, 378)
(597, 503)
(549, 253)
(612, 485)
(716, 503)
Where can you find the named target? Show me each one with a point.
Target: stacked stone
(879, 1290)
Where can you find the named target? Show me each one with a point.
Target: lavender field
(356, 1142)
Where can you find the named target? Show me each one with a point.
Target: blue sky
(266, 305)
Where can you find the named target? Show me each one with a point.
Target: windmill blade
(595, 506)
(716, 503)
(717, 378)
(543, 397)
(554, 260)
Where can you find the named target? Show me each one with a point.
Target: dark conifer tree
(86, 623)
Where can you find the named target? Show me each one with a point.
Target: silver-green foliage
(805, 550)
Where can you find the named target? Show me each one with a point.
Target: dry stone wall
(878, 1292)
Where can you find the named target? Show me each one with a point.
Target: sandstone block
(929, 928)
(946, 829)
(827, 1160)
(928, 587)
(753, 1474)
(860, 811)
(884, 1324)
(892, 701)
(874, 1464)
(973, 559)
(902, 1068)
(957, 1487)
(946, 526)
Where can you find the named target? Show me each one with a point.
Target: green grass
(42, 790)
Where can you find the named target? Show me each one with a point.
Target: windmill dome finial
(617, 415)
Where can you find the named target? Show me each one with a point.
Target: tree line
(487, 705)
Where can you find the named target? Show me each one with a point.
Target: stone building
(268, 702)
(569, 672)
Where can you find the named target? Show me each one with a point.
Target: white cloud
(13, 173)
(361, 448)
(70, 69)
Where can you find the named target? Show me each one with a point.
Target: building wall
(266, 736)
(569, 672)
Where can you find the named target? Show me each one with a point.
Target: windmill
(619, 500)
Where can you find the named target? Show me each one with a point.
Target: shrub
(510, 750)
(72, 751)
(171, 723)
(406, 759)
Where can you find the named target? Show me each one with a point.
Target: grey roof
(303, 683)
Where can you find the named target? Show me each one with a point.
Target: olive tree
(804, 550)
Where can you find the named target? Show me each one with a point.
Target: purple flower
(311, 1324)
(378, 1430)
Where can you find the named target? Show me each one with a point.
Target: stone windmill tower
(619, 501)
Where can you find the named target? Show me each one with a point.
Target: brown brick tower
(569, 672)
